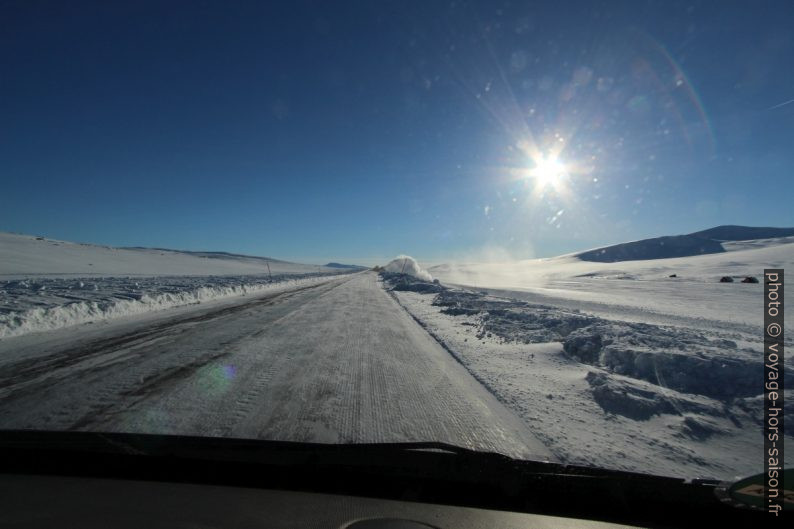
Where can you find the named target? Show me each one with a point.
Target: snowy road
(336, 362)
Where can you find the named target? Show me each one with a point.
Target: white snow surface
(39, 305)
(405, 264)
(663, 400)
(639, 290)
(617, 364)
(47, 284)
(24, 256)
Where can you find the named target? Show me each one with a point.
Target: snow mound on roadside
(405, 264)
(57, 303)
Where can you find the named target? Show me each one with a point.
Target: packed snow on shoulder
(43, 304)
(405, 264)
(666, 400)
(47, 284)
(649, 366)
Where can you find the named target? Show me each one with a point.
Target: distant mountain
(340, 265)
(698, 243)
(209, 255)
(743, 233)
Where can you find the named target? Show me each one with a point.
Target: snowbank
(47, 284)
(45, 304)
(405, 264)
(675, 400)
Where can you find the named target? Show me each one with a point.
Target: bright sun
(547, 172)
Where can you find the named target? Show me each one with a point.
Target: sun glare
(548, 172)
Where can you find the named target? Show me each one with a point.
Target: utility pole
(268, 271)
(405, 260)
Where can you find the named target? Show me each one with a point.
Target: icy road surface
(338, 362)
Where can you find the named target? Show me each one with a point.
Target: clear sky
(319, 131)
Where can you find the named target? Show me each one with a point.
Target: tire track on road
(77, 387)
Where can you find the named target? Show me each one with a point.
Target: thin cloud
(784, 103)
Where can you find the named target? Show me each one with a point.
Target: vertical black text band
(773, 389)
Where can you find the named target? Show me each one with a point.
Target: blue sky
(357, 131)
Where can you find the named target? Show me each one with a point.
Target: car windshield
(543, 230)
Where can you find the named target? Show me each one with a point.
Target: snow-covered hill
(340, 265)
(698, 243)
(25, 256)
(640, 290)
(48, 284)
(738, 259)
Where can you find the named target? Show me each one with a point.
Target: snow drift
(678, 399)
(48, 284)
(405, 264)
(46, 304)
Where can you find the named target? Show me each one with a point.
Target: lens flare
(548, 172)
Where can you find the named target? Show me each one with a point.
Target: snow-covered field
(640, 290)
(24, 256)
(618, 364)
(47, 284)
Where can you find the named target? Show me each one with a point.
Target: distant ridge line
(702, 242)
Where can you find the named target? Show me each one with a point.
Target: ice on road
(339, 362)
